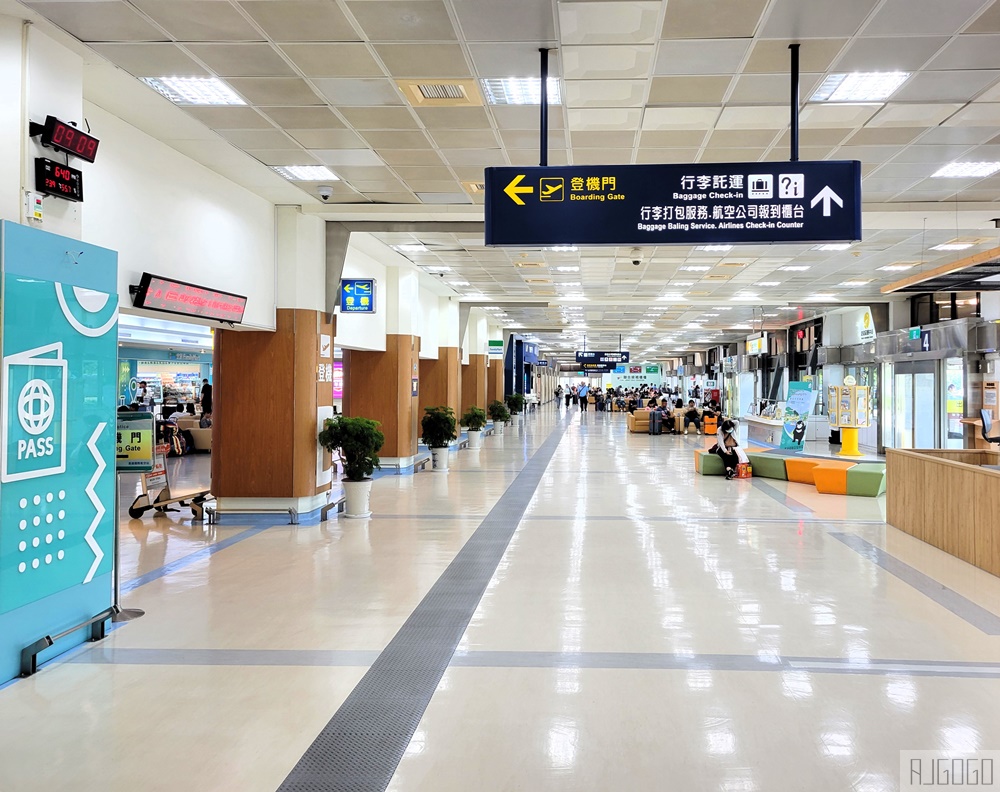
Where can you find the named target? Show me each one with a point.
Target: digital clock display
(54, 178)
(66, 137)
(172, 296)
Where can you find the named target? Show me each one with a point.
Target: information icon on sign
(791, 185)
(761, 186)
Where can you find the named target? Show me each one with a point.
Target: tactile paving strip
(361, 746)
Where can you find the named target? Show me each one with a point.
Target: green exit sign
(914, 333)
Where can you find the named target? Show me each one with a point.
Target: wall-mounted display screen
(757, 346)
(187, 299)
(62, 181)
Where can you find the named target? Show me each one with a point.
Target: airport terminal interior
(509, 395)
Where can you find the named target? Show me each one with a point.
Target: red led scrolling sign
(170, 296)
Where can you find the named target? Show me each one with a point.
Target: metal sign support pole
(544, 110)
(120, 614)
(794, 137)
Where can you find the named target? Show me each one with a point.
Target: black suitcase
(656, 423)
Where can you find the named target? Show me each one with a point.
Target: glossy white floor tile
(646, 629)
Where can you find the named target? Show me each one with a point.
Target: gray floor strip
(964, 608)
(781, 497)
(627, 661)
(361, 746)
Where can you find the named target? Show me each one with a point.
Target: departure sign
(604, 358)
(170, 296)
(66, 137)
(54, 178)
(357, 296)
(709, 203)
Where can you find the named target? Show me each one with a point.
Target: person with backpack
(584, 394)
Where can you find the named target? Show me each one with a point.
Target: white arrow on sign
(826, 195)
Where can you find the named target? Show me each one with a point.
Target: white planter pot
(498, 427)
(475, 438)
(358, 495)
(515, 419)
(439, 457)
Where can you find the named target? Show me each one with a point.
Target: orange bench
(801, 470)
(831, 477)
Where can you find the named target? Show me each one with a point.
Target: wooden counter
(945, 498)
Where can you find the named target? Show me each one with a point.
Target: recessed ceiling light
(742, 327)
(952, 246)
(437, 269)
(305, 172)
(520, 91)
(794, 268)
(194, 90)
(967, 170)
(709, 314)
(853, 283)
(574, 296)
(670, 297)
(410, 248)
(693, 326)
(695, 268)
(458, 283)
(715, 248)
(571, 283)
(832, 247)
(682, 284)
(563, 249)
(769, 283)
(770, 314)
(897, 267)
(746, 296)
(821, 297)
(723, 308)
(859, 87)
(474, 296)
(567, 269)
(644, 326)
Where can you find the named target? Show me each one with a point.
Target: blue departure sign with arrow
(709, 203)
(357, 296)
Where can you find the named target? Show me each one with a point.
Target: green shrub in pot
(438, 427)
(358, 439)
(498, 412)
(474, 419)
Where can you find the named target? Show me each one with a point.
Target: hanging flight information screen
(177, 297)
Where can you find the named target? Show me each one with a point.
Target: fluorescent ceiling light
(724, 308)
(410, 248)
(520, 91)
(794, 268)
(306, 172)
(787, 308)
(709, 314)
(896, 267)
(715, 248)
(563, 249)
(670, 297)
(569, 284)
(458, 283)
(682, 284)
(821, 297)
(695, 268)
(742, 327)
(574, 296)
(644, 326)
(771, 314)
(967, 170)
(567, 269)
(952, 246)
(853, 283)
(859, 87)
(194, 90)
(746, 296)
(693, 326)
(769, 283)
(474, 296)
(832, 247)
(437, 269)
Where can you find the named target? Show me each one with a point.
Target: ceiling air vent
(716, 278)
(474, 188)
(529, 264)
(446, 93)
(537, 280)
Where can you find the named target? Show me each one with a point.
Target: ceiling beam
(945, 269)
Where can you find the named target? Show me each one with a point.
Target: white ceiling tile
(668, 118)
(770, 88)
(837, 115)
(968, 52)
(977, 114)
(889, 54)
(952, 135)
(945, 86)
(347, 156)
(913, 115)
(608, 22)
(941, 155)
(606, 62)
(151, 60)
(794, 19)
(511, 59)
(716, 56)
(612, 118)
(752, 118)
(511, 20)
(922, 17)
(605, 93)
(359, 92)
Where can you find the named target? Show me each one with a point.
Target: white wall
(301, 260)
(430, 324)
(448, 316)
(364, 331)
(10, 118)
(166, 214)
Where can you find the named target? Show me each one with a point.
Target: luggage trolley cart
(157, 481)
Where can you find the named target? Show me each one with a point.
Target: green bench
(866, 479)
(769, 466)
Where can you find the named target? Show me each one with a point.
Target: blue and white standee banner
(58, 397)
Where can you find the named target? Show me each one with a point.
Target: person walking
(206, 396)
(584, 394)
(559, 393)
(569, 398)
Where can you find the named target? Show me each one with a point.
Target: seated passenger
(711, 409)
(692, 415)
(728, 448)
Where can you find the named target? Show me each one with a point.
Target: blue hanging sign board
(703, 204)
(57, 437)
(357, 296)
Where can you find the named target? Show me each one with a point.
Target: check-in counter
(947, 498)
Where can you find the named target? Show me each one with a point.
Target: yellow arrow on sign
(514, 191)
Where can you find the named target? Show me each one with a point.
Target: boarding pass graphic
(34, 414)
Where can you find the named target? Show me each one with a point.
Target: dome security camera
(325, 192)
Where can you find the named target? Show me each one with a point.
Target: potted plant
(515, 403)
(474, 420)
(358, 441)
(499, 414)
(438, 427)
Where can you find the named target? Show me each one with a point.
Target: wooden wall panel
(377, 385)
(474, 387)
(440, 381)
(494, 381)
(264, 420)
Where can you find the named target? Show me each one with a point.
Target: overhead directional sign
(597, 368)
(710, 203)
(357, 296)
(605, 358)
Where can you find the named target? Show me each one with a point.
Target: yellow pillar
(849, 442)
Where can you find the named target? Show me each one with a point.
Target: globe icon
(35, 407)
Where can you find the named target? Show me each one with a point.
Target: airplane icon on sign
(551, 189)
